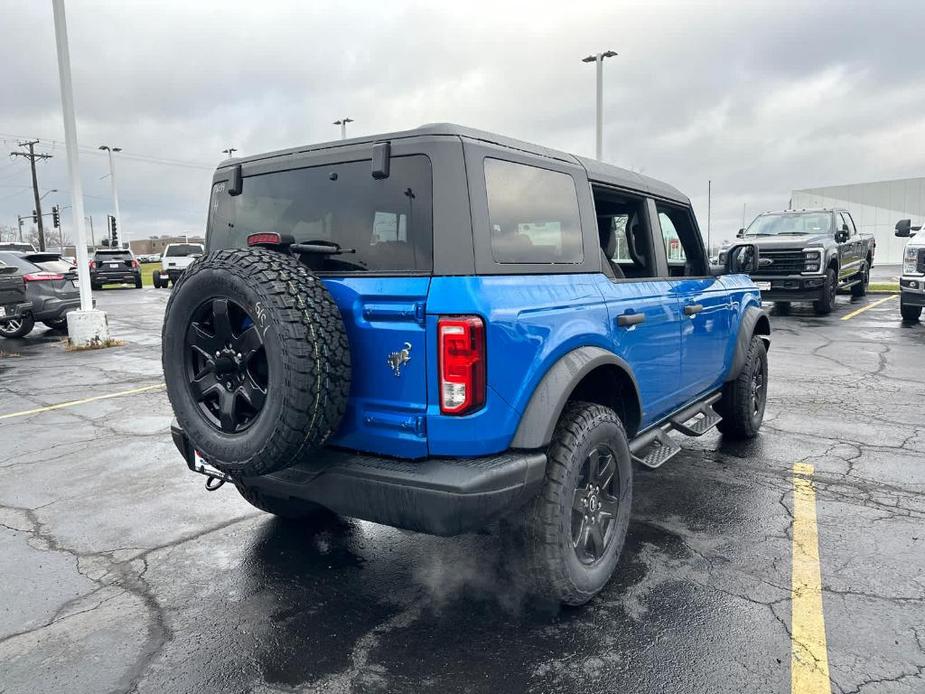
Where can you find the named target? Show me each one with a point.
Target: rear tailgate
(388, 353)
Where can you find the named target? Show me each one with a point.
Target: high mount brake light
(264, 237)
(462, 364)
(42, 276)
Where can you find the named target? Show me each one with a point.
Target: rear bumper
(114, 277)
(439, 496)
(54, 308)
(12, 311)
(792, 287)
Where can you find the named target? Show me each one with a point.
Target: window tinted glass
(113, 255)
(183, 249)
(533, 214)
(17, 261)
(387, 222)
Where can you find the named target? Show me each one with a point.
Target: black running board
(654, 447)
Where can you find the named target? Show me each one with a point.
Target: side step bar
(654, 447)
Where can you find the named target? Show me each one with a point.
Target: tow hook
(213, 483)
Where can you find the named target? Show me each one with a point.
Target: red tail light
(134, 263)
(42, 276)
(92, 264)
(462, 364)
(263, 237)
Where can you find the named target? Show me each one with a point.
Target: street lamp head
(589, 59)
(610, 54)
(103, 147)
(593, 58)
(119, 149)
(343, 121)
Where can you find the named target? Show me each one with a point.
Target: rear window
(112, 255)
(183, 249)
(17, 261)
(386, 223)
(533, 214)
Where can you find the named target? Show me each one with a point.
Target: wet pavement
(120, 573)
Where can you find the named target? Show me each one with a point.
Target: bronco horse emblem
(398, 359)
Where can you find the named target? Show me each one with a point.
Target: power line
(33, 157)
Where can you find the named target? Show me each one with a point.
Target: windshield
(790, 224)
(183, 249)
(385, 224)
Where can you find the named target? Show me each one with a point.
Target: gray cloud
(759, 97)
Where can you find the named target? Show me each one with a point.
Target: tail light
(262, 237)
(93, 265)
(134, 263)
(42, 276)
(462, 364)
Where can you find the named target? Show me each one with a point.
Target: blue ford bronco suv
(438, 328)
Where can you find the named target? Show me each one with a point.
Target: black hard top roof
(599, 172)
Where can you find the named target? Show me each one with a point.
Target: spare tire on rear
(256, 360)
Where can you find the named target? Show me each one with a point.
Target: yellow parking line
(868, 306)
(809, 661)
(84, 401)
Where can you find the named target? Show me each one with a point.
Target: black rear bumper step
(439, 496)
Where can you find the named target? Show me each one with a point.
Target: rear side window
(385, 224)
(533, 214)
(17, 261)
(179, 250)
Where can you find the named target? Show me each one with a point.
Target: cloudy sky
(760, 97)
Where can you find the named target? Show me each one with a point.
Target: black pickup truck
(13, 302)
(809, 255)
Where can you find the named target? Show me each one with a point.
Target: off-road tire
(307, 359)
(824, 305)
(782, 308)
(860, 289)
(57, 324)
(539, 538)
(25, 325)
(910, 313)
(290, 509)
(740, 418)
(138, 283)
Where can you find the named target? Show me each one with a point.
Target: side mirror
(904, 228)
(740, 233)
(742, 259)
(841, 235)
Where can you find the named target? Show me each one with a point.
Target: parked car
(52, 262)
(912, 282)
(177, 257)
(51, 296)
(115, 266)
(445, 327)
(17, 246)
(13, 304)
(809, 255)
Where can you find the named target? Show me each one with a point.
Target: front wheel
(744, 398)
(18, 327)
(824, 305)
(572, 534)
(910, 313)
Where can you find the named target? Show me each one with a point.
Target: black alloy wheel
(594, 505)
(226, 365)
(758, 391)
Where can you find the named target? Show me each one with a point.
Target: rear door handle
(693, 309)
(628, 319)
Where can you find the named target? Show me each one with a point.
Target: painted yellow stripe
(868, 307)
(809, 661)
(72, 403)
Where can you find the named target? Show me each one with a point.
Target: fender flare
(538, 421)
(755, 321)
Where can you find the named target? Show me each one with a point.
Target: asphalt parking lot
(120, 573)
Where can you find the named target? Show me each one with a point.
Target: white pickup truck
(176, 258)
(912, 282)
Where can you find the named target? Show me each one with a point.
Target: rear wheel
(910, 313)
(744, 398)
(18, 327)
(138, 281)
(156, 280)
(860, 289)
(290, 509)
(571, 536)
(58, 324)
(824, 305)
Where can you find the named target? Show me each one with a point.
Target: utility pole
(343, 126)
(112, 179)
(599, 129)
(32, 156)
(230, 151)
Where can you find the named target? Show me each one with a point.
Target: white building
(875, 207)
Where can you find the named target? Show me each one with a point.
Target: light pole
(599, 60)
(230, 151)
(115, 192)
(343, 126)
